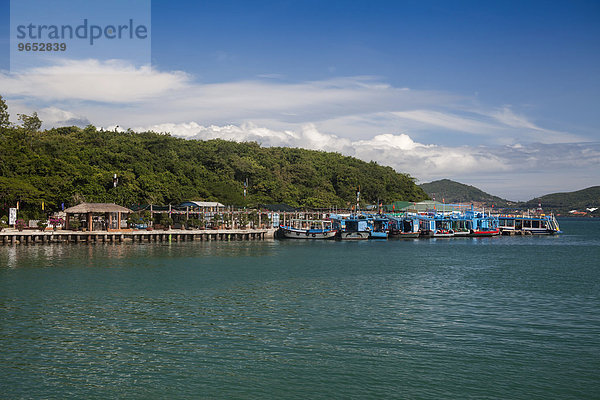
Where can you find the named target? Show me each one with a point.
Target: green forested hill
(72, 164)
(455, 192)
(563, 202)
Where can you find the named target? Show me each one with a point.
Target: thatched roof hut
(100, 208)
(108, 209)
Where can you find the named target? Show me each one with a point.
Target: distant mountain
(455, 192)
(564, 202)
(561, 203)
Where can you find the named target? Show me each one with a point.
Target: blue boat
(406, 226)
(432, 224)
(352, 227)
(462, 225)
(443, 229)
(476, 224)
(379, 226)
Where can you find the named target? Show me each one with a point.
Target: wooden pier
(173, 235)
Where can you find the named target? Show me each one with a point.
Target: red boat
(485, 233)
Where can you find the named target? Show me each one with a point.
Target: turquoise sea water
(503, 317)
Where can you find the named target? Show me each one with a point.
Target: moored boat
(443, 233)
(408, 235)
(404, 227)
(443, 226)
(528, 224)
(462, 233)
(353, 227)
(379, 226)
(289, 232)
(354, 235)
(308, 229)
(484, 232)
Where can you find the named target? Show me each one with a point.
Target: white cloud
(509, 118)
(115, 92)
(389, 141)
(307, 137)
(506, 116)
(428, 134)
(55, 117)
(112, 82)
(448, 121)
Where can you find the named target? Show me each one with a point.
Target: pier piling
(53, 237)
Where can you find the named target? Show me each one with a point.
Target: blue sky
(505, 52)
(502, 95)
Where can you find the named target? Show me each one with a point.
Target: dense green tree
(69, 165)
(4, 116)
(31, 123)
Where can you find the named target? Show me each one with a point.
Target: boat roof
(202, 204)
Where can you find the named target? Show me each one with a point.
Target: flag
(42, 206)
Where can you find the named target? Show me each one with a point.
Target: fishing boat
(426, 225)
(461, 225)
(409, 235)
(443, 226)
(462, 232)
(379, 227)
(404, 227)
(352, 227)
(443, 233)
(484, 232)
(308, 229)
(481, 224)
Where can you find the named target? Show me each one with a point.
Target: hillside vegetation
(71, 165)
(455, 192)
